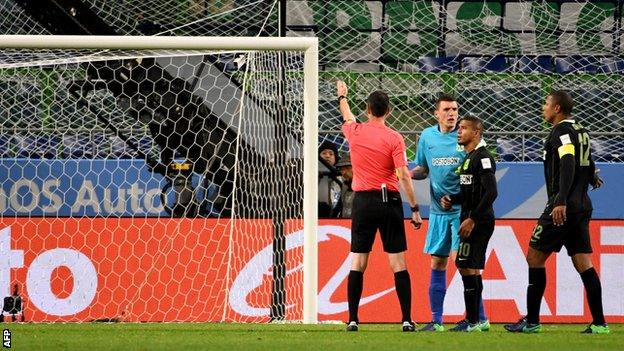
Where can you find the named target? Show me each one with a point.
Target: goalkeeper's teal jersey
(441, 155)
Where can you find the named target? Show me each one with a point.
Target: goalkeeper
(438, 155)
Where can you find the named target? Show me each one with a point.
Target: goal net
(158, 179)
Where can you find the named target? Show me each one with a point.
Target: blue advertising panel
(123, 188)
(522, 191)
(118, 187)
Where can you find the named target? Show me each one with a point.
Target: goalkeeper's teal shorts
(443, 234)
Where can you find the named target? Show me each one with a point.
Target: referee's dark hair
(444, 97)
(476, 122)
(563, 99)
(379, 103)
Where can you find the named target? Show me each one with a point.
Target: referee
(477, 194)
(378, 158)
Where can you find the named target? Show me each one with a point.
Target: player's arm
(343, 103)
(567, 161)
(488, 184)
(405, 180)
(595, 181)
(421, 171)
(447, 201)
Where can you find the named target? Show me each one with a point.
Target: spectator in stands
(329, 181)
(346, 193)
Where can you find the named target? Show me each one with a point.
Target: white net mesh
(500, 58)
(152, 186)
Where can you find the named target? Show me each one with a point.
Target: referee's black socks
(354, 293)
(472, 296)
(535, 292)
(594, 295)
(404, 292)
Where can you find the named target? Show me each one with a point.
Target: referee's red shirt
(376, 152)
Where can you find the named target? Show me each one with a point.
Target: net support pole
(278, 293)
(310, 185)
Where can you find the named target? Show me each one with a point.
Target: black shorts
(471, 253)
(573, 234)
(371, 214)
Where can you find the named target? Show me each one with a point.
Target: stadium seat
(611, 65)
(30, 146)
(591, 108)
(484, 64)
(608, 150)
(526, 64)
(576, 64)
(77, 146)
(111, 147)
(5, 146)
(510, 150)
(438, 64)
(145, 145)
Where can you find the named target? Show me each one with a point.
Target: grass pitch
(170, 336)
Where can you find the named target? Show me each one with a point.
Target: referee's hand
(416, 220)
(341, 88)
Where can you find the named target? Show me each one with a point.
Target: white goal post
(236, 44)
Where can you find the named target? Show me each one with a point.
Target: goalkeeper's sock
(355, 284)
(482, 316)
(404, 292)
(437, 292)
(593, 290)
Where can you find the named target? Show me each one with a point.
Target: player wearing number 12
(569, 170)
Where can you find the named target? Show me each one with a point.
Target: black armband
(415, 208)
(341, 97)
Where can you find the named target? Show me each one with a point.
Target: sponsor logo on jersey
(445, 161)
(465, 179)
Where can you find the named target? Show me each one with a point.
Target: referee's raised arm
(343, 103)
(379, 165)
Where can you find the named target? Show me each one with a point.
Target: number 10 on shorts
(464, 250)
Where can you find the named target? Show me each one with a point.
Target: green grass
(161, 336)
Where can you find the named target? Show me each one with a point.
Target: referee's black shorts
(369, 214)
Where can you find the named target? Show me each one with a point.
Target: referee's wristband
(341, 97)
(415, 208)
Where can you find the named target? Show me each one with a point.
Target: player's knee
(359, 262)
(582, 262)
(358, 266)
(535, 259)
(438, 263)
(397, 262)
